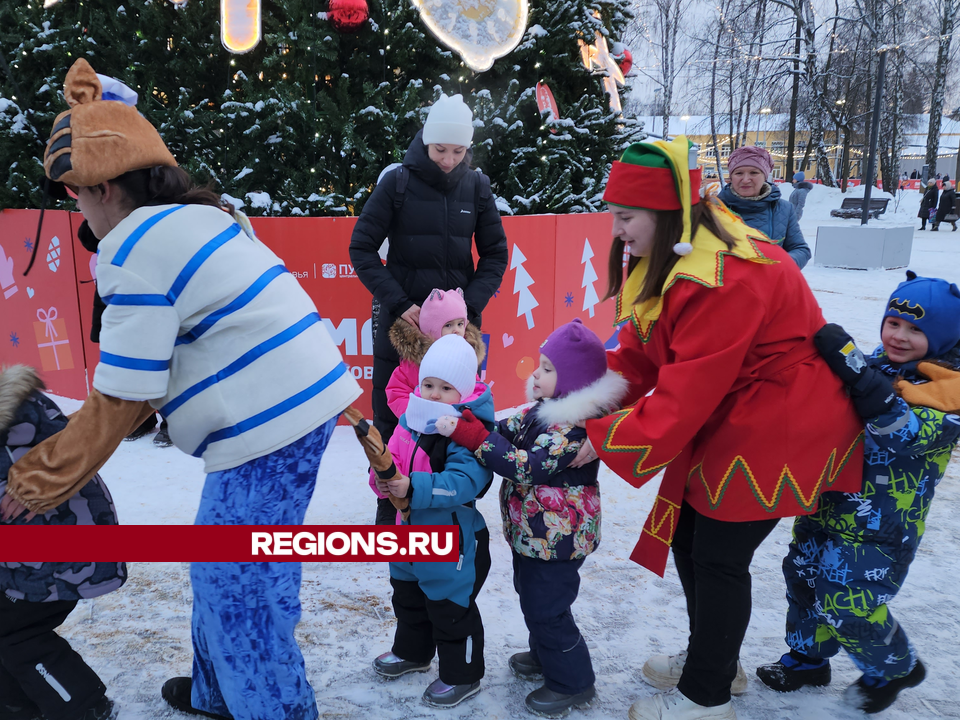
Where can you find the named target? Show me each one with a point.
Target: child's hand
(399, 487)
(446, 425)
(382, 486)
(469, 432)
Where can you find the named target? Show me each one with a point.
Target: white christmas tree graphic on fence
(521, 284)
(590, 297)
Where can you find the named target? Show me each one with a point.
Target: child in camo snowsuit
(849, 559)
(40, 674)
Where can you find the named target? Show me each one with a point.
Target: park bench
(853, 208)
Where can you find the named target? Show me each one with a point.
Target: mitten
(469, 432)
(941, 393)
(871, 391)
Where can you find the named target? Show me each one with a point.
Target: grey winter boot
(441, 695)
(389, 665)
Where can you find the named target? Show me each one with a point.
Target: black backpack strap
(403, 175)
(482, 193)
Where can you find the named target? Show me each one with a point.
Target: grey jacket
(27, 417)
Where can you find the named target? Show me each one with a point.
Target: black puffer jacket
(431, 238)
(27, 417)
(928, 202)
(946, 204)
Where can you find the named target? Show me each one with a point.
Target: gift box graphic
(52, 341)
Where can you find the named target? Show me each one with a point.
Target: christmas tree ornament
(546, 102)
(240, 25)
(598, 56)
(625, 59)
(348, 16)
(480, 31)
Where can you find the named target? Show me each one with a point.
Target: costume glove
(941, 393)
(871, 391)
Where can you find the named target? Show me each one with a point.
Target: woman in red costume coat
(749, 422)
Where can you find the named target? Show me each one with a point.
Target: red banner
(229, 543)
(556, 272)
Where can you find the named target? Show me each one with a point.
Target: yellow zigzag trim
(609, 446)
(827, 478)
(668, 514)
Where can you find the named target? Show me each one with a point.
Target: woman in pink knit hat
(757, 201)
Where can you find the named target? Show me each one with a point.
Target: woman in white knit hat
(434, 207)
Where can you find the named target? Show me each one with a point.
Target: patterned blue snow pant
(246, 661)
(837, 595)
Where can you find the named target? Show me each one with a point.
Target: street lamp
(764, 111)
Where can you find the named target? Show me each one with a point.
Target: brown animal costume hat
(97, 140)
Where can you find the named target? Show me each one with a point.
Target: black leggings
(713, 560)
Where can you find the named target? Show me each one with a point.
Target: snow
(243, 173)
(259, 200)
(138, 637)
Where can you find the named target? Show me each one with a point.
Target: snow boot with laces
(663, 672)
(674, 705)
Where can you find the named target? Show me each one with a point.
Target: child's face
(544, 379)
(903, 341)
(454, 327)
(439, 391)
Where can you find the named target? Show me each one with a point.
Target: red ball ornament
(348, 16)
(626, 62)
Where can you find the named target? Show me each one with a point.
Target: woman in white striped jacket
(206, 325)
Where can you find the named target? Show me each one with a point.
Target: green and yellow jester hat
(657, 175)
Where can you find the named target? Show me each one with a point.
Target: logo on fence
(328, 270)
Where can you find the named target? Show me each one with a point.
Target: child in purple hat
(551, 511)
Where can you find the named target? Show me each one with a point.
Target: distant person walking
(801, 188)
(945, 210)
(928, 204)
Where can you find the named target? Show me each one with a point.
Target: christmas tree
(522, 281)
(305, 122)
(590, 297)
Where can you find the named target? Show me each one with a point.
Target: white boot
(663, 672)
(674, 705)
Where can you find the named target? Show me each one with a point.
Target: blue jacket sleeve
(462, 479)
(906, 430)
(793, 241)
(554, 449)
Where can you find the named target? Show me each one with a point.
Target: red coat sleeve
(705, 338)
(630, 361)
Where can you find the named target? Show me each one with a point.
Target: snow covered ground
(140, 636)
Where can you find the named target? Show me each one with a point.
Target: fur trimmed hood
(412, 345)
(596, 400)
(16, 384)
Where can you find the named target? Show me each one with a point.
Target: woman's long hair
(662, 257)
(165, 185)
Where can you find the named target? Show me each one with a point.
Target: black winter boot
(794, 671)
(20, 712)
(176, 691)
(545, 702)
(103, 710)
(162, 438)
(525, 666)
(871, 695)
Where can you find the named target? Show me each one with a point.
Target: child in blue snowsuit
(550, 510)
(435, 603)
(851, 557)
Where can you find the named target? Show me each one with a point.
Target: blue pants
(246, 661)
(547, 589)
(837, 595)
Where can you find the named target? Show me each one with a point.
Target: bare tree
(948, 15)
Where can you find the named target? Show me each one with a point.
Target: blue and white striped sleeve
(140, 327)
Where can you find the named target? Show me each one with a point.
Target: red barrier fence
(557, 271)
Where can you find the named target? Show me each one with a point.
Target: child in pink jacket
(444, 312)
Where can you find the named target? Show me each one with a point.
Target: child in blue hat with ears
(550, 510)
(849, 559)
